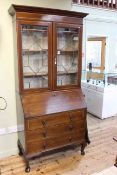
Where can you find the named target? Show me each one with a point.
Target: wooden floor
(100, 154)
(109, 171)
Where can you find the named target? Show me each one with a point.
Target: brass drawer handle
(70, 139)
(44, 122)
(44, 146)
(70, 117)
(70, 127)
(45, 134)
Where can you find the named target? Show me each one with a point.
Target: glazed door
(35, 55)
(67, 55)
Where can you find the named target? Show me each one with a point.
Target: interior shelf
(28, 75)
(34, 30)
(67, 51)
(67, 32)
(25, 51)
(66, 73)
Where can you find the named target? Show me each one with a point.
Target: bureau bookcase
(48, 56)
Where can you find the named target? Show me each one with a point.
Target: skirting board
(11, 129)
(8, 153)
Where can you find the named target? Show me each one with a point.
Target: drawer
(60, 130)
(32, 124)
(66, 139)
(78, 124)
(34, 147)
(77, 115)
(56, 119)
(78, 135)
(47, 144)
(33, 135)
(56, 142)
(45, 121)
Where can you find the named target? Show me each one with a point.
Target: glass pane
(94, 53)
(67, 56)
(35, 56)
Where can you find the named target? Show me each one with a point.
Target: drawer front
(46, 121)
(78, 135)
(33, 124)
(35, 135)
(56, 119)
(34, 147)
(77, 116)
(66, 139)
(57, 142)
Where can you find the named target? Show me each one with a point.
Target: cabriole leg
(21, 152)
(82, 149)
(115, 162)
(87, 137)
(27, 169)
(20, 149)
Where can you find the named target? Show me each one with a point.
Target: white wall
(101, 23)
(8, 142)
(108, 30)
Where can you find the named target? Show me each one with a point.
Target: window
(95, 53)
